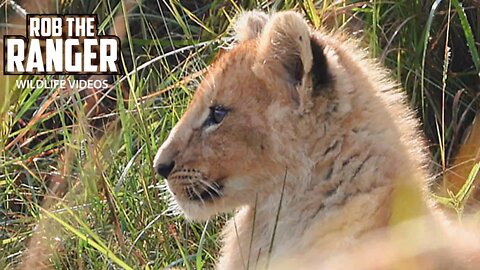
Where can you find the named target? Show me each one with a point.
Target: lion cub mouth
(204, 192)
(194, 185)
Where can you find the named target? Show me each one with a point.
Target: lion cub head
(249, 117)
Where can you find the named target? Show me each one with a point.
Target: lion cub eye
(216, 115)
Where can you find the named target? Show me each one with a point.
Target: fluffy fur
(315, 151)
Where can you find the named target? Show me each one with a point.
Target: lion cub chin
(314, 146)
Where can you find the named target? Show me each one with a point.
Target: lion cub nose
(165, 169)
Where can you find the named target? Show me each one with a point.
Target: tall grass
(76, 179)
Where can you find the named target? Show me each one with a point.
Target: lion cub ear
(249, 25)
(290, 54)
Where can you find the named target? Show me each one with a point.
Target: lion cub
(314, 146)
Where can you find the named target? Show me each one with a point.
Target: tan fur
(334, 160)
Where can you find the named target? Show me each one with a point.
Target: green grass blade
(467, 188)
(108, 253)
(468, 34)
